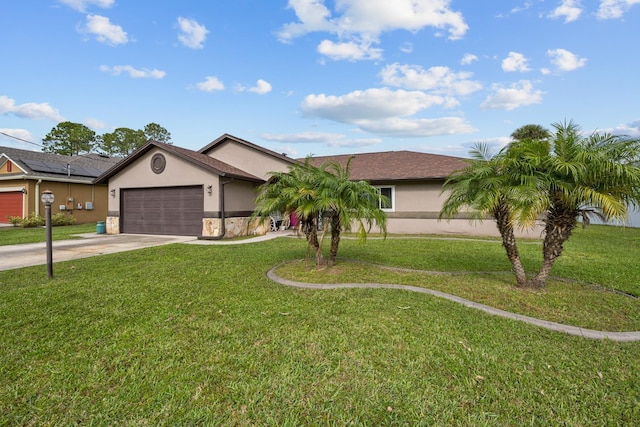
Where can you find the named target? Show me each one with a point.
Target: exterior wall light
(113, 192)
(209, 189)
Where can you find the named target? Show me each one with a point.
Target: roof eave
(104, 178)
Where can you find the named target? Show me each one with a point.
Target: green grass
(16, 235)
(197, 335)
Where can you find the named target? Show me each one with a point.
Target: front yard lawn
(197, 335)
(17, 235)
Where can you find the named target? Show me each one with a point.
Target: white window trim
(392, 198)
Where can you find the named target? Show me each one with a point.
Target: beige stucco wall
(416, 210)
(239, 196)
(419, 197)
(248, 159)
(177, 172)
(452, 227)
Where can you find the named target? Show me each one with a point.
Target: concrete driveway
(18, 256)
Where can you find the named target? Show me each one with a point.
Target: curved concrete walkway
(571, 330)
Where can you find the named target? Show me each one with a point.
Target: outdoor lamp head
(47, 197)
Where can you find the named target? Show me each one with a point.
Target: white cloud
(192, 34)
(358, 22)
(81, 5)
(324, 138)
(468, 58)
(416, 128)
(135, 73)
(631, 130)
(613, 9)
(517, 95)
(565, 60)
(351, 51)
(23, 134)
(210, 84)
(370, 104)
(385, 111)
(30, 110)
(313, 16)
(527, 4)
(95, 124)
(104, 30)
(569, 9)
(262, 87)
(515, 62)
(440, 80)
(407, 47)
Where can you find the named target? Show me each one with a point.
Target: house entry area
(166, 210)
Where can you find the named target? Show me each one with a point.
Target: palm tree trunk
(335, 238)
(559, 225)
(311, 231)
(310, 228)
(505, 228)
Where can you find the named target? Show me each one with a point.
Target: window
(389, 193)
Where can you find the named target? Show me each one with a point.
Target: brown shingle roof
(220, 167)
(396, 165)
(198, 159)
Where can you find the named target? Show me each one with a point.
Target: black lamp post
(47, 198)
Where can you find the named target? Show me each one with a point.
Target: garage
(165, 210)
(10, 205)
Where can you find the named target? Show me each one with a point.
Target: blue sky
(320, 76)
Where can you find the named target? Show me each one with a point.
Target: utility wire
(20, 139)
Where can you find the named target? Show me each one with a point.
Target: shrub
(16, 221)
(32, 220)
(62, 219)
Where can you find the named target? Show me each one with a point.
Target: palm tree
(487, 189)
(346, 202)
(558, 180)
(296, 192)
(325, 192)
(589, 176)
(530, 132)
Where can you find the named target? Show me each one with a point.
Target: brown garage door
(168, 210)
(10, 205)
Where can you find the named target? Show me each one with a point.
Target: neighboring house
(164, 189)
(25, 174)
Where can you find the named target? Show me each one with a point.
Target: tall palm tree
(558, 180)
(487, 189)
(584, 177)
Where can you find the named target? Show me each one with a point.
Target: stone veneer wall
(113, 225)
(234, 227)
